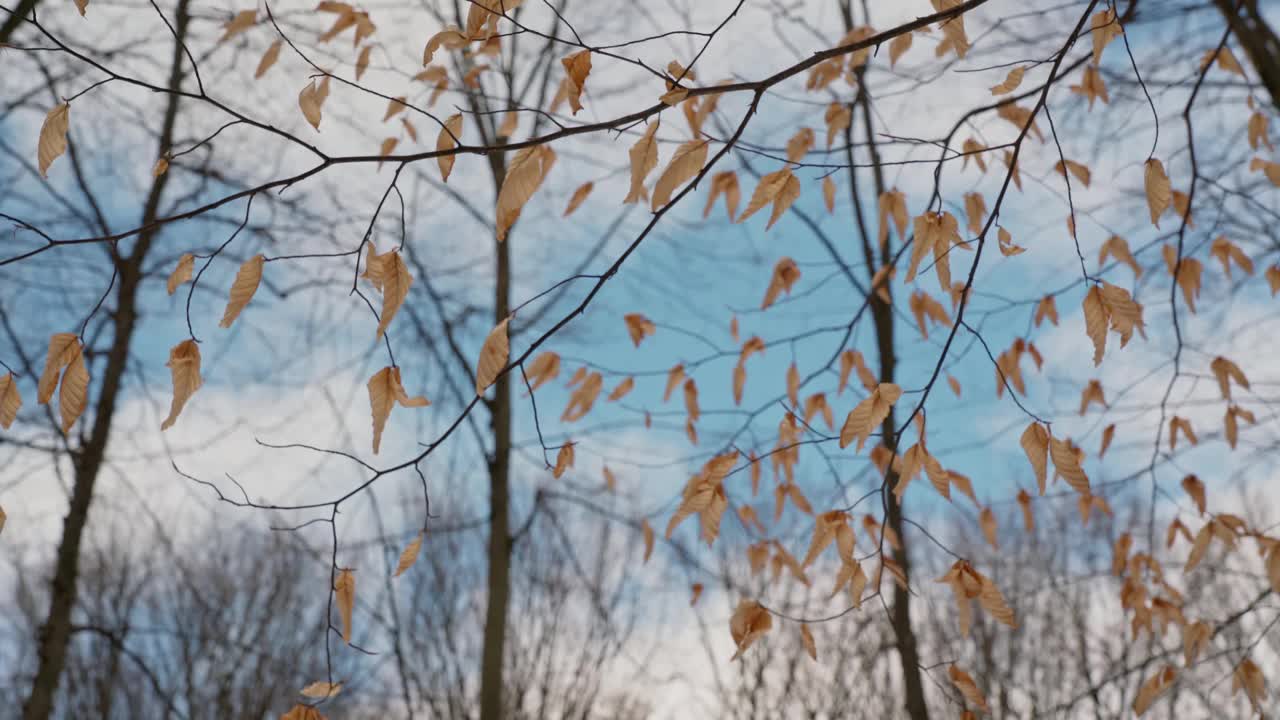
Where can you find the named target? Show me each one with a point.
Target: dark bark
(499, 579)
(55, 631)
(1259, 41)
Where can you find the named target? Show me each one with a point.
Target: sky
(294, 366)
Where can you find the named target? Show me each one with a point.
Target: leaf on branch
(892, 205)
(785, 274)
(898, 47)
(1092, 86)
(577, 66)
(447, 140)
(182, 273)
(493, 356)
(344, 594)
(1104, 27)
(302, 712)
(311, 100)
(684, 166)
(53, 137)
(269, 59)
(1066, 462)
(749, 623)
(1159, 193)
(385, 390)
(1153, 688)
(967, 687)
(564, 460)
(451, 38)
(1010, 82)
(867, 415)
(525, 174)
(238, 23)
(646, 532)
(10, 400)
(1035, 443)
(644, 158)
(724, 183)
(1194, 487)
(184, 366)
(409, 556)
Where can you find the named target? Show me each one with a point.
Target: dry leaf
(1011, 81)
(785, 274)
(525, 175)
(10, 400)
(344, 594)
(1103, 27)
(242, 289)
(1153, 688)
(182, 273)
(1159, 194)
(647, 532)
(53, 137)
(685, 164)
(639, 327)
(302, 712)
(644, 158)
(311, 100)
(269, 59)
(1195, 488)
(564, 460)
(987, 521)
(184, 366)
(1108, 433)
(577, 66)
(409, 556)
(724, 183)
(447, 140)
(749, 623)
(493, 356)
(385, 390)
(322, 689)
(1035, 443)
(867, 415)
(578, 197)
(806, 638)
(964, 682)
(898, 47)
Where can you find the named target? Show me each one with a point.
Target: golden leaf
(578, 197)
(806, 638)
(10, 400)
(1011, 81)
(644, 158)
(447, 140)
(63, 347)
(785, 274)
(829, 194)
(493, 356)
(525, 175)
(53, 137)
(564, 460)
(749, 623)
(577, 66)
(1159, 194)
(385, 390)
(184, 366)
(1035, 443)
(685, 164)
(1092, 86)
(987, 521)
(1077, 170)
(344, 594)
(1095, 322)
(242, 289)
(867, 415)
(409, 556)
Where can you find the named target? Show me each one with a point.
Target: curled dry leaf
(1066, 462)
(785, 274)
(1104, 27)
(1010, 82)
(409, 556)
(749, 623)
(302, 712)
(1153, 688)
(684, 166)
(62, 348)
(451, 38)
(1035, 443)
(564, 460)
(242, 289)
(781, 188)
(644, 158)
(987, 521)
(493, 356)
(1194, 487)
(311, 101)
(10, 400)
(1159, 194)
(344, 594)
(447, 140)
(73, 396)
(898, 47)
(385, 390)
(184, 366)
(525, 174)
(238, 23)
(322, 689)
(867, 415)
(967, 687)
(639, 327)
(53, 137)
(577, 66)
(182, 273)
(724, 183)
(806, 639)
(621, 390)
(696, 593)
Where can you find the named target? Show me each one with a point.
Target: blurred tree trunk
(55, 631)
(1259, 41)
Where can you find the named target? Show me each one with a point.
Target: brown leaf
(1067, 464)
(749, 623)
(785, 274)
(564, 460)
(644, 158)
(184, 366)
(447, 140)
(724, 183)
(269, 59)
(344, 594)
(1035, 443)
(987, 521)
(639, 327)
(1095, 322)
(806, 639)
(182, 273)
(685, 164)
(621, 390)
(1103, 27)
(385, 390)
(1108, 433)
(311, 101)
(1195, 488)
(53, 137)
(409, 556)
(898, 47)
(302, 712)
(577, 66)
(579, 195)
(322, 689)
(964, 682)
(63, 347)
(647, 532)
(867, 415)
(242, 289)
(1153, 688)
(493, 356)
(1011, 81)
(525, 175)
(1159, 194)
(10, 400)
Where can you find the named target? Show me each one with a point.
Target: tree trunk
(55, 632)
(499, 582)
(1259, 41)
